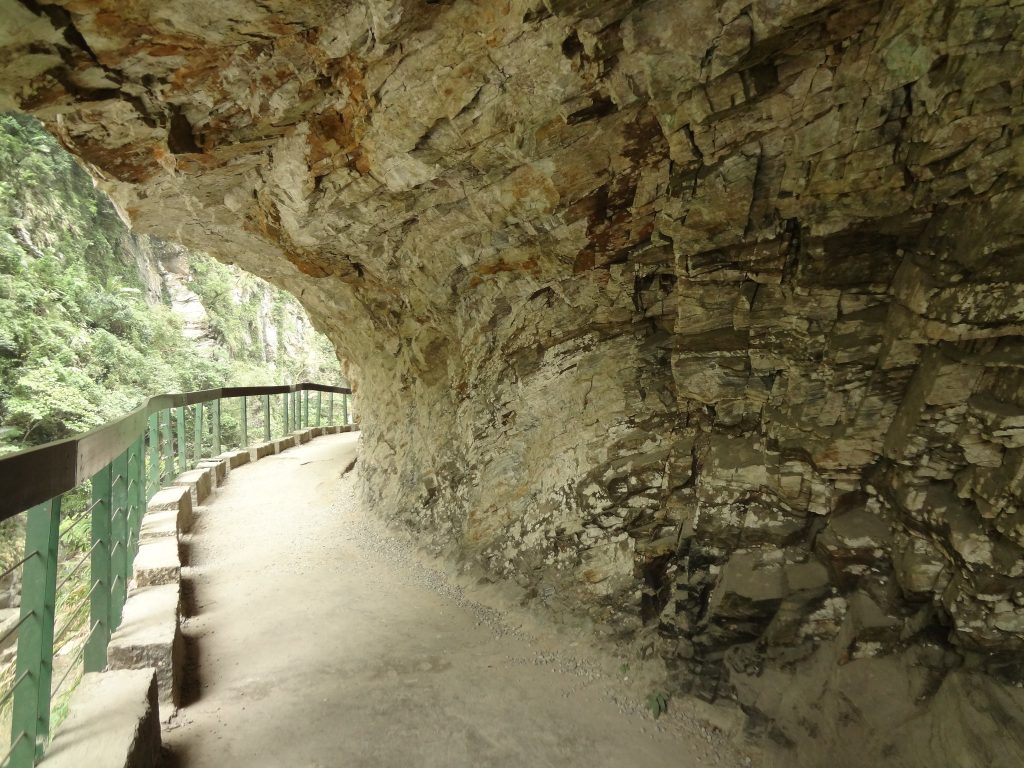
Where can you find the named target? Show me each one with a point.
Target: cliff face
(701, 318)
(227, 309)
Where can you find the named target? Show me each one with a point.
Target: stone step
(284, 443)
(198, 481)
(150, 636)
(113, 722)
(261, 451)
(158, 561)
(168, 513)
(219, 469)
(161, 524)
(235, 459)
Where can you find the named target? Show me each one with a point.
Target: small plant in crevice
(657, 702)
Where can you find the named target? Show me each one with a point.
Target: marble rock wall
(702, 320)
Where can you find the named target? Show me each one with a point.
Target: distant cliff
(94, 318)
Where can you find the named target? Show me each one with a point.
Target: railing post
(100, 573)
(216, 427)
(30, 719)
(305, 408)
(286, 400)
(161, 451)
(167, 446)
(245, 421)
(181, 440)
(330, 408)
(266, 418)
(120, 543)
(319, 406)
(344, 409)
(296, 410)
(134, 488)
(197, 446)
(153, 481)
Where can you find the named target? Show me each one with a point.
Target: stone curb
(150, 636)
(176, 502)
(199, 483)
(157, 562)
(125, 703)
(219, 469)
(261, 451)
(284, 443)
(235, 459)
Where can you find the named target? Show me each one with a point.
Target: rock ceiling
(701, 319)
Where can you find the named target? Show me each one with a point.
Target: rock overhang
(635, 295)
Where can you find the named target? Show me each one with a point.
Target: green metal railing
(108, 475)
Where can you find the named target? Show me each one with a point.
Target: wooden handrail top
(34, 475)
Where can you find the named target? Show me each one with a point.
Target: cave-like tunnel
(701, 322)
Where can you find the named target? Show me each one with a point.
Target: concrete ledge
(316, 432)
(199, 482)
(113, 722)
(235, 459)
(149, 636)
(219, 468)
(284, 443)
(261, 451)
(175, 501)
(301, 436)
(158, 562)
(162, 524)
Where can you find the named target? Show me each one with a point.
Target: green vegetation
(83, 338)
(657, 703)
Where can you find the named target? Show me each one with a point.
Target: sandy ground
(320, 640)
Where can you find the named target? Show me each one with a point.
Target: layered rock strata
(703, 319)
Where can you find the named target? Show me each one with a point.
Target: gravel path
(323, 640)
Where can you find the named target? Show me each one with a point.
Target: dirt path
(322, 641)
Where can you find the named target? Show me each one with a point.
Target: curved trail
(321, 641)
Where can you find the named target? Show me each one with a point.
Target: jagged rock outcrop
(702, 318)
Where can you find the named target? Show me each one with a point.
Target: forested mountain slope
(93, 318)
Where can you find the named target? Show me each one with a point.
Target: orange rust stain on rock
(335, 138)
(527, 183)
(161, 50)
(198, 70)
(528, 266)
(134, 35)
(197, 162)
(266, 222)
(584, 261)
(42, 91)
(614, 227)
(310, 264)
(132, 163)
(356, 114)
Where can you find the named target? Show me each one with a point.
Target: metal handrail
(31, 476)
(125, 461)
